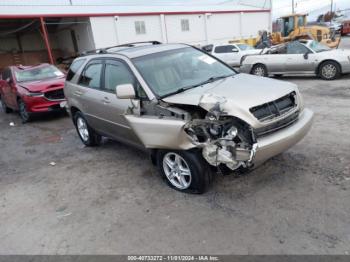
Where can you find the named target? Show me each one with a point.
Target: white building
(80, 25)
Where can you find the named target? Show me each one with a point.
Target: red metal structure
(46, 39)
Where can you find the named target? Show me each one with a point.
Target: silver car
(193, 113)
(299, 58)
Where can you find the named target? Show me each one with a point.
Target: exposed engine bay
(223, 139)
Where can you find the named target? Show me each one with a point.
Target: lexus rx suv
(193, 113)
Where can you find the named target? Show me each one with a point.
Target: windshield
(318, 47)
(244, 47)
(37, 73)
(177, 70)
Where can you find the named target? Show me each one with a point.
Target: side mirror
(125, 91)
(306, 56)
(235, 50)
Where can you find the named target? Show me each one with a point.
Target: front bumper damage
(222, 138)
(233, 159)
(221, 143)
(278, 142)
(234, 155)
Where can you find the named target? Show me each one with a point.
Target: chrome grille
(263, 131)
(55, 94)
(275, 108)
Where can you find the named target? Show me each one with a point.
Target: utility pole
(331, 12)
(293, 9)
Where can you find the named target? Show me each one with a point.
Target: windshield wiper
(209, 80)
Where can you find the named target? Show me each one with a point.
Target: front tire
(259, 70)
(185, 171)
(23, 113)
(87, 135)
(329, 70)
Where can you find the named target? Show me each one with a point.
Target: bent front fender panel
(155, 132)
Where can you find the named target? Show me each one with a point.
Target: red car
(31, 89)
(345, 28)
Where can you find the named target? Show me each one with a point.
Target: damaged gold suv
(191, 111)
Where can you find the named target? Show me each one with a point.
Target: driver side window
(117, 73)
(296, 48)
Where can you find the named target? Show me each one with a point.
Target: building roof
(24, 8)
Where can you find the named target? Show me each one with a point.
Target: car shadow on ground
(263, 176)
(48, 117)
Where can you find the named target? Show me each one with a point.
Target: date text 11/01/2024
(174, 258)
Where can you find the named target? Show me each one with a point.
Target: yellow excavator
(294, 27)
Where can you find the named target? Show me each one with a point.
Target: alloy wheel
(259, 71)
(329, 71)
(83, 129)
(177, 170)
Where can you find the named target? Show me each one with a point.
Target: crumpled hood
(43, 85)
(242, 90)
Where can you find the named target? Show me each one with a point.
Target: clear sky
(282, 7)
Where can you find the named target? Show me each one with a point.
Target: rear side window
(91, 76)
(220, 49)
(75, 66)
(225, 49)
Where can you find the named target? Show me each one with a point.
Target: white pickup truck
(231, 54)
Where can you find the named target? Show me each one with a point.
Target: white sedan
(231, 54)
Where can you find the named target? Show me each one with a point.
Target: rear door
(275, 61)
(87, 92)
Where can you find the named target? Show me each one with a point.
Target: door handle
(78, 93)
(105, 100)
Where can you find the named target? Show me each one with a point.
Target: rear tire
(185, 171)
(4, 107)
(87, 135)
(259, 70)
(329, 70)
(23, 113)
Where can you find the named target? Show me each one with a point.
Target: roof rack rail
(105, 49)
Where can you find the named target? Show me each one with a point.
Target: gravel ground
(110, 200)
